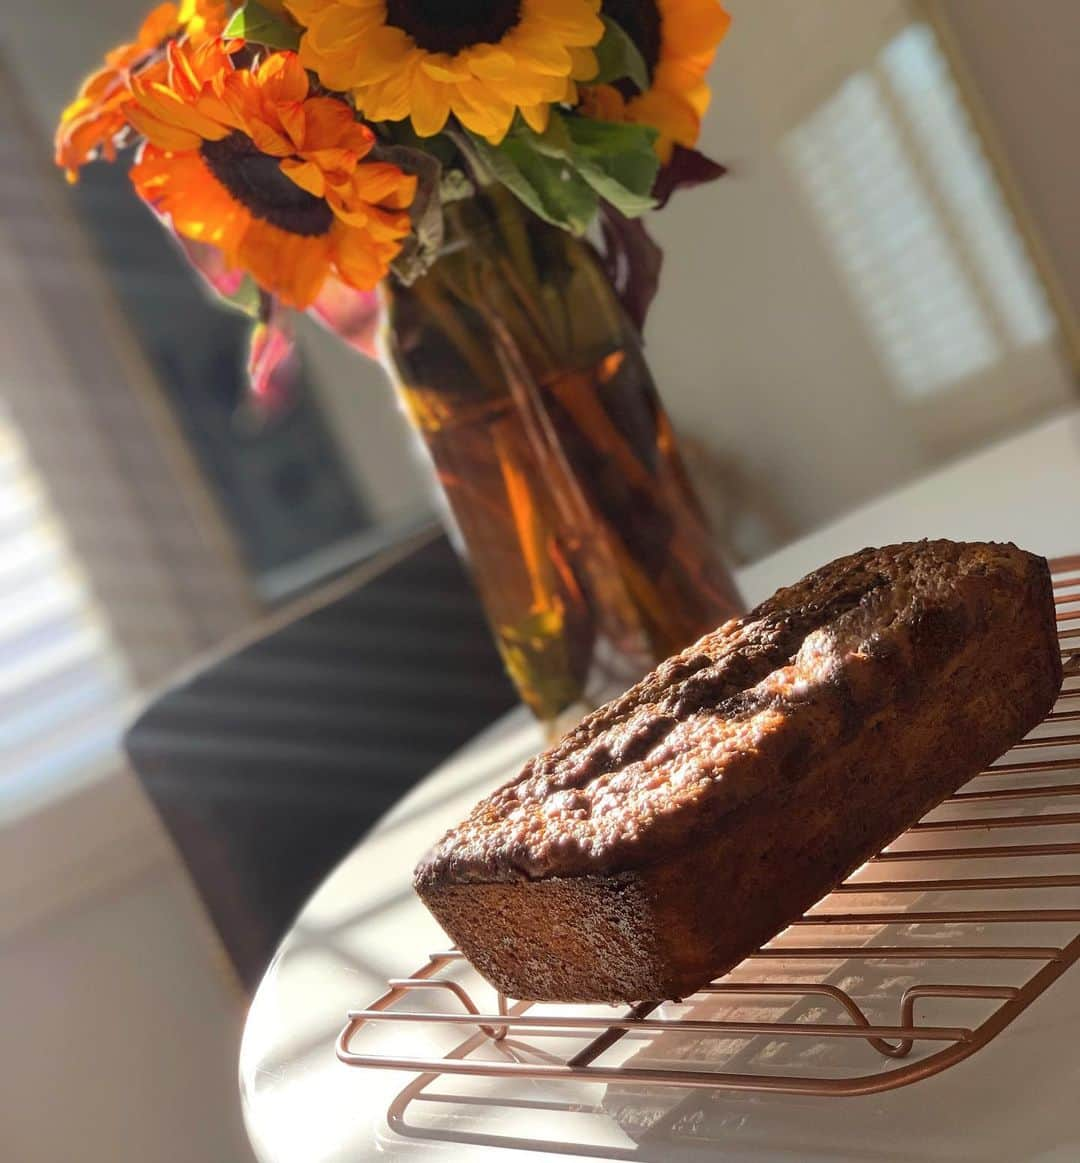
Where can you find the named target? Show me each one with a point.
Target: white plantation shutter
(917, 223)
(64, 689)
(115, 568)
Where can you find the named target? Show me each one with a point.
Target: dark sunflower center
(255, 180)
(640, 20)
(445, 26)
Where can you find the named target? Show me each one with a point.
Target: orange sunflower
(92, 124)
(203, 20)
(480, 60)
(678, 40)
(250, 163)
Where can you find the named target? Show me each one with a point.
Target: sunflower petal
(543, 54)
(183, 189)
(384, 184)
(288, 265)
(283, 79)
(536, 117)
(388, 101)
(491, 63)
(306, 12)
(430, 101)
(441, 67)
(376, 55)
(162, 134)
(306, 175)
(359, 261)
(332, 124)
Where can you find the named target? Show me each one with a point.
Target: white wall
(1023, 60)
(121, 1018)
(757, 340)
(117, 1047)
(753, 340)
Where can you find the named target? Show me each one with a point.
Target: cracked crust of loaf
(685, 823)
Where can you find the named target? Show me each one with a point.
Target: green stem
(480, 361)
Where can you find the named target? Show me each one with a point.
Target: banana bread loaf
(687, 822)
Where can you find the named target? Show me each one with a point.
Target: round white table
(1015, 1099)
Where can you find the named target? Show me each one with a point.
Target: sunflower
(250, 163)
(202, 20)
(92, 124)
(480, 60)
(677, 39)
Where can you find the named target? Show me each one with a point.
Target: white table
(1017, 1099)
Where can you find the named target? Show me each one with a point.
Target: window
(63, 687)
(898, 180)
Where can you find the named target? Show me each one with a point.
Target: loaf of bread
(683, 825)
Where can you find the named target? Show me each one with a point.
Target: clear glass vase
(519, 369)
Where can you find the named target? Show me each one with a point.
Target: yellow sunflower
(479, 60)
(249, 162)
(93, 123)
(678, 40)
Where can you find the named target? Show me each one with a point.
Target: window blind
(63, 686)
(910, 208)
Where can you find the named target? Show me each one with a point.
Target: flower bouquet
(466, 183)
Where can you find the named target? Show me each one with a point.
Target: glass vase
(526, 380)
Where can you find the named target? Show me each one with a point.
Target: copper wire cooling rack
(892, 978)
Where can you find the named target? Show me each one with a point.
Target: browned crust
(924, 702)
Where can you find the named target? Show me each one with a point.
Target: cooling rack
(917, 961)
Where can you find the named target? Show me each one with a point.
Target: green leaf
(561, 173)
(548, 185)
(619, 58)
(555, 141)
(254, 23)
(617, 160)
